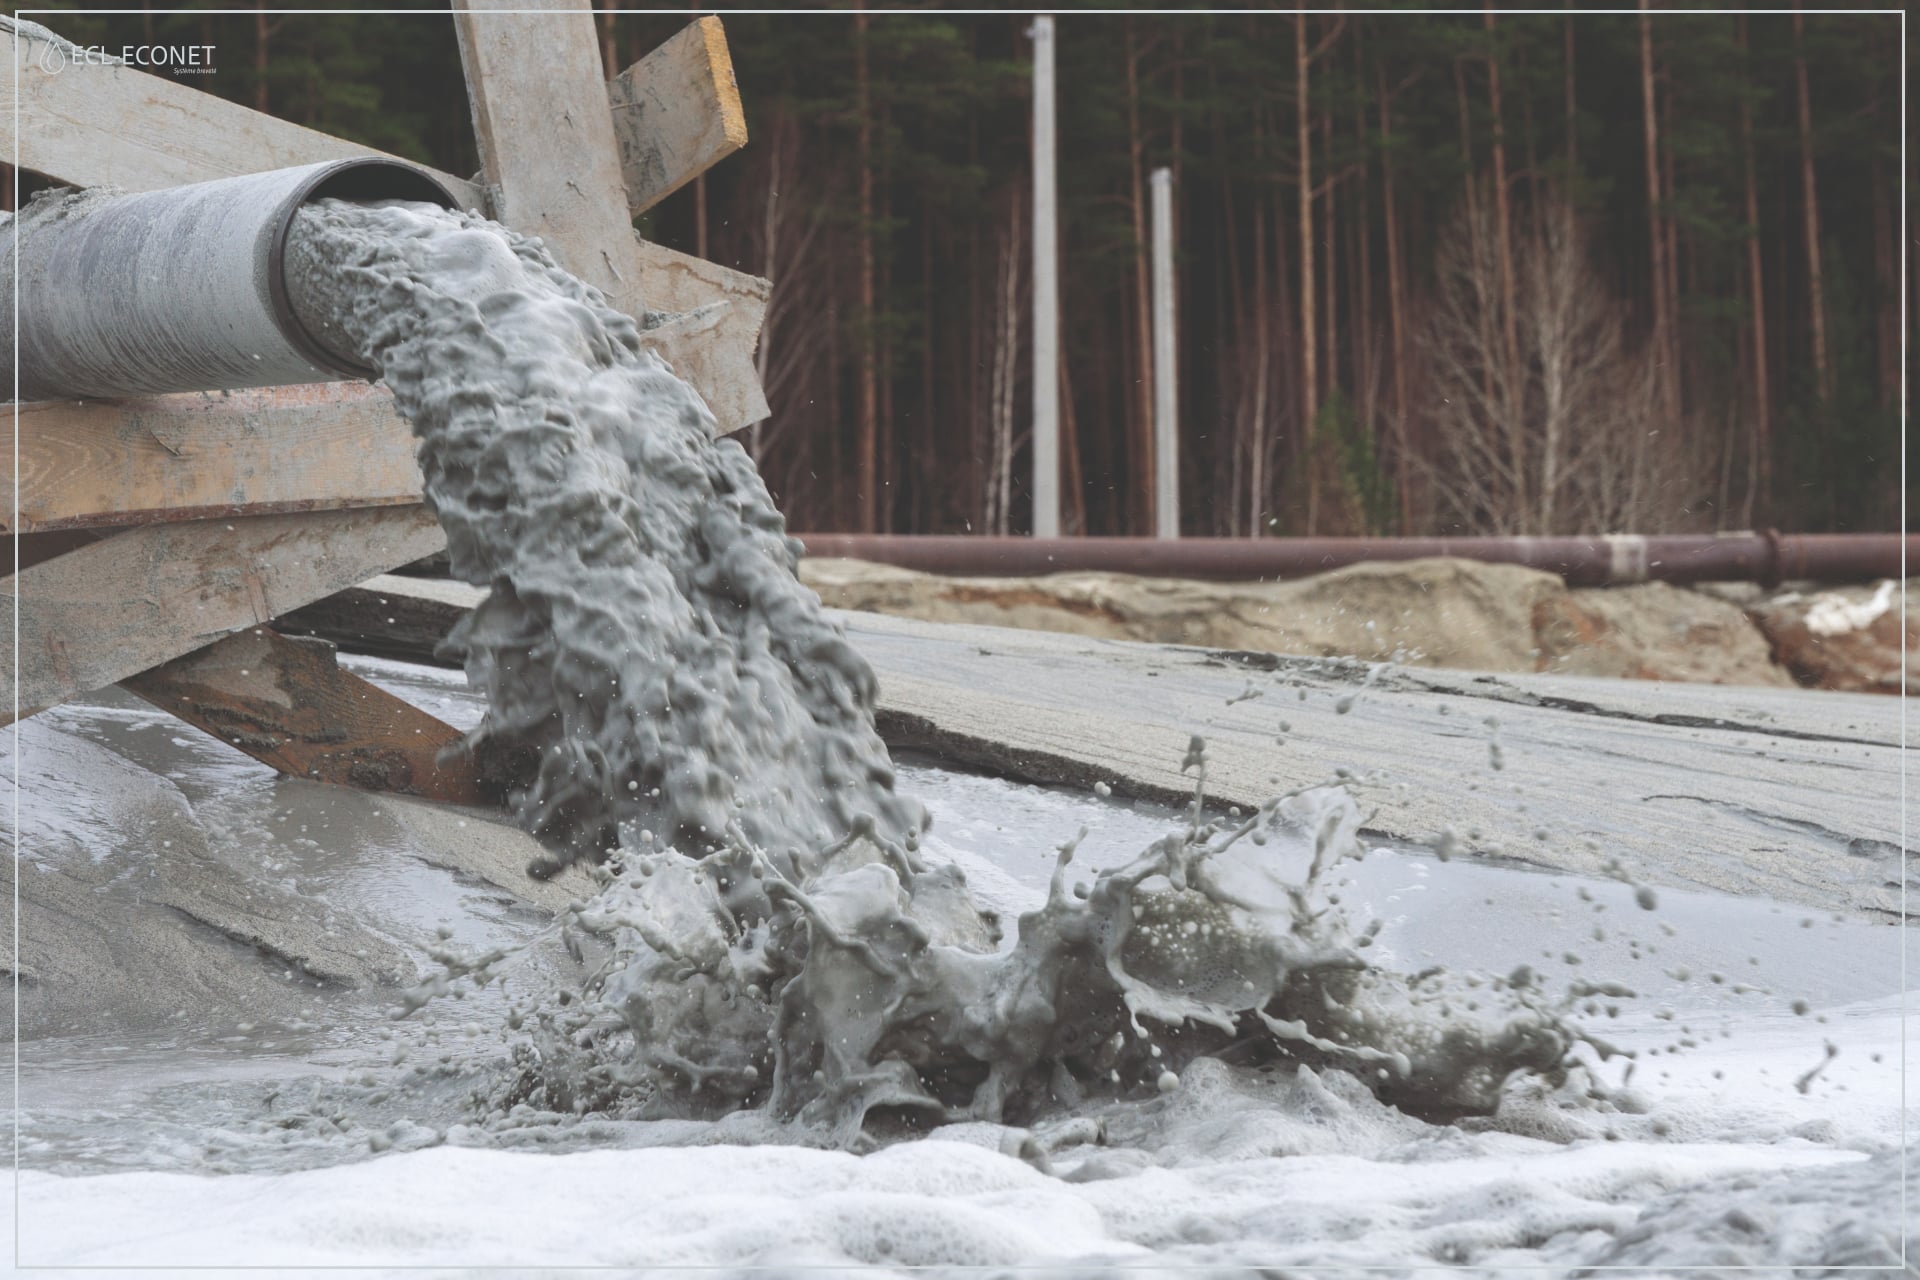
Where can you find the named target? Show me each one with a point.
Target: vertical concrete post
(1046, 293)
(1166, 399)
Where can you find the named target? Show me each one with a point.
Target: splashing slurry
(768, 932)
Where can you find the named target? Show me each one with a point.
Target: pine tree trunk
(1760, 447)
(1886, 286)
(1396, 311)
(1141, 411)
(886, 465)
(1656, 235)
(928, 417)
(1509, 293)
(1810, 198)
(1256, 410)
(261, 38)
(1329, 244)
(1676, 328)
(1309, 368)
(866, 476)
(609, 55)
(1360, 237)
(1573, 132)
(1073, 511)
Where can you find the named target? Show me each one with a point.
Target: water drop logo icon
(53, 57)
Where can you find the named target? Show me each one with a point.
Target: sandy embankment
(1436, 613)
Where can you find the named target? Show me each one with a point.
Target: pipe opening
(366, 179)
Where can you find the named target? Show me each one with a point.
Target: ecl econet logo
(181, 59)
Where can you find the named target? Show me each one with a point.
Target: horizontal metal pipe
(182, 289)
(1613, 559)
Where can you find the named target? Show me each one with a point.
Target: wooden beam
(676, 113)
(391, 615)
(552, 169)
(288, 704)
(710, 341)
(101, 613)
(318, 447)
(91, 124)
(545, 131)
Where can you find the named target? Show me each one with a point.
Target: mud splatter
(767, 933)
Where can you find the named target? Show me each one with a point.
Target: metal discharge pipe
(182, 289)
(1615, 559)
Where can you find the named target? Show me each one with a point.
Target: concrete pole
(1046, 293)
(1166, 399)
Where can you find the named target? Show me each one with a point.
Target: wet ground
(209, 1075)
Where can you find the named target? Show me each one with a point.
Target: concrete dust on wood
(1784, 792)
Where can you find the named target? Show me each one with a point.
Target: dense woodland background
(1504, 273)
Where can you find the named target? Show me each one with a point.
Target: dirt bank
(1848, 638)
(1433, 613)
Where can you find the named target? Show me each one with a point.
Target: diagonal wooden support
(108, 124)
(288, 703)
(676, 112)
(114, 608)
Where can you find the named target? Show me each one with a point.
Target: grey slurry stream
(775, 945)
(776, 936)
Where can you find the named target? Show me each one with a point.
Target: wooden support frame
(115, 608)
(247, 505)
(95, 464)
(553, 168)
(287, 703)
(676, 112)
(110, 124)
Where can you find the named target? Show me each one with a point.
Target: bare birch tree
(1005, 378)
(1568, 434)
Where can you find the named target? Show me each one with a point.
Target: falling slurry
(768, 931)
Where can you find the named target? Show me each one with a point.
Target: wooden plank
(710, 343)
(288, 704)
(1788, 793)
(317, 447)
(552, 169)
(545, 131)
(89, 124)
(390, 615)
(676, 113)
(101, 613)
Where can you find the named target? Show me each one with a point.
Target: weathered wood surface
(552, 169)
(709, 345)
(197, 456)
(676, 113)
(96, 615)
(544, 127)
(89, 125)
(389, 615)
(1790, 793)
(289, 705)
